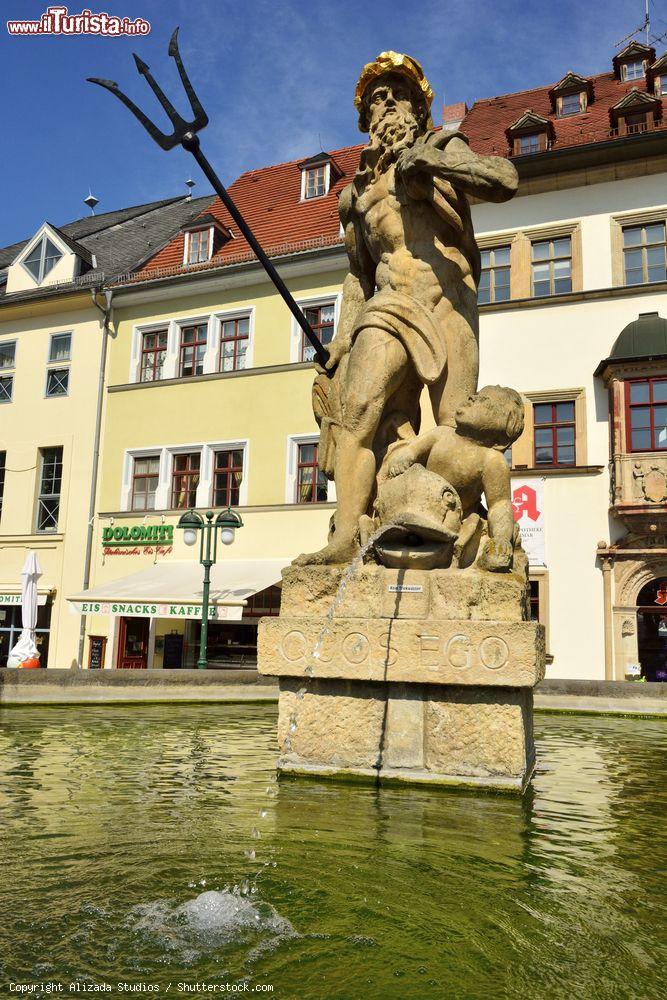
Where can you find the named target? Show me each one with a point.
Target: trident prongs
(165, 141)
(181, 127)
(200, 120)
(185, 134)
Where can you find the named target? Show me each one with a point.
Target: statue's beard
(389, 135)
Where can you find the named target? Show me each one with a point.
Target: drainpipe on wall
(106, 316)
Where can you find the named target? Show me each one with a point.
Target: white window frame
(128, 478)
(208, 464)
(161, 493)
(203, 319)
(138, 331)
(218, 319)
(10, 368)
(186, 246)
(184, 449)
(291, 462)
(40, 495)
(7, 373)
(138, 334)
(68, 359)
(660, 85)
(167, 452)
(632, 62)
(172, 358)
(45, 233)
(65, 365)
(327, 181)
(49, 371)
(296, 332)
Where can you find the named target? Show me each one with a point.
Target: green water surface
(126, 840)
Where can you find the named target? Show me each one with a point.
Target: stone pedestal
(420, 676)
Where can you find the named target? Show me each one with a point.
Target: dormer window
(202, 239)
(51, 256)
(571, 104)
(532, 143)
(634, 70)
(42, 259)
(198, 249)
(318, 173)
(315, 182)
(571, 95)
(530, 134)
(633, 62)
(656, 77)
(636, 112)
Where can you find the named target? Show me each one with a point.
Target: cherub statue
(470, 458)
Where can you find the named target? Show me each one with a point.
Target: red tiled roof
(486, 122)
(270, 201)
(269, 198)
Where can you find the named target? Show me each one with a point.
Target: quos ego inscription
(432, 651)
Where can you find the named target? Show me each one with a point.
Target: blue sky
(276, 77)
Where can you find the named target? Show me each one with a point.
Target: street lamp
(193, 524)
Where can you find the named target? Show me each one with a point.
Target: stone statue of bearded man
(409, 310)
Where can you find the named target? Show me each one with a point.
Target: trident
(185, 133)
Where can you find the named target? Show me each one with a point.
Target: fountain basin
(119, 814)
(406, 689)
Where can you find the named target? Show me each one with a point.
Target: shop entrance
(652, 630)
(133, 643)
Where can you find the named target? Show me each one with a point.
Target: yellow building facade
(149, 593)
(46, 446)
(54, 332)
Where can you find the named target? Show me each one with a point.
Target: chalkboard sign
(98, 645)
(173, 651)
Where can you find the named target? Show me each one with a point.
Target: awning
(174, 590)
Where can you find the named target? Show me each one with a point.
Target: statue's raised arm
(449, 158)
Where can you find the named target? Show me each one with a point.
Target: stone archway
(630, 577)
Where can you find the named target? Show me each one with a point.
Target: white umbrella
(25, 648)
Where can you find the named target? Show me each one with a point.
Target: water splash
(210, 919)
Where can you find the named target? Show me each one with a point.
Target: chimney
(453, 115)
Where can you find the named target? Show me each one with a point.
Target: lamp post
(193, 524)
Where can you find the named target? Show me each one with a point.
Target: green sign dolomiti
(139, 534)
